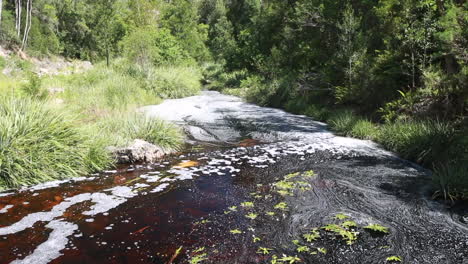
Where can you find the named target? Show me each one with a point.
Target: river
(253, 185)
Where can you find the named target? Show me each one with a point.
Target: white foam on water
(160, 188)
(50, 249)
(6, 208)
(6, 194)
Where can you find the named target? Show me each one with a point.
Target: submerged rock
(138, 151)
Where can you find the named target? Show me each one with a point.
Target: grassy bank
(58, 127)
(438, 145)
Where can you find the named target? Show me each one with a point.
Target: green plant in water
(322, 250)
(235, 231)
(349, 224)
(233, 208)
(281, 206)
(377, 228)
(309, 174)
(291, 175)
(312, 236)
(341, 216)
(349, 236)
(394, 259)
(289, 259)
(198, 258)
(270, 213)
(256, 239)
(302, 249)
(264, 251)
(252, 216)
(247, 204)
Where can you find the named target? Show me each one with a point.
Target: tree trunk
(107, 56)
(18, 17)
(1, 5)
(27, 27)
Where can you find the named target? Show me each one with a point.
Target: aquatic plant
(394, 259)
(377, 228)
(302, 249)
(309, 174)
(289, 259)
(341, 216)
(349, 236)
(247, 204)
(256, 239)
(264, 251)
(235, 231)
(198, 258)
(252, 216)
(312, 236)
(282, 206)
(348, 224)
(322, 250)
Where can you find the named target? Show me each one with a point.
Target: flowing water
(251, 183)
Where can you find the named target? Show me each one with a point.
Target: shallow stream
(251, 183)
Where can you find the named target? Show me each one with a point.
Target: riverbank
(439, 145)
(73, 123)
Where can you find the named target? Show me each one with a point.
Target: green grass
(420, 141)
(38, 144)
(65, 134)
(121, 129)
(174, 82)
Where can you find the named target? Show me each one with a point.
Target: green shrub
(421, 141)
(37, 144)
(174, 82)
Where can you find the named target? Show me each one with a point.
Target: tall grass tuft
(421, 141)
(123, 128)
(37, 144)
(342, 121)
(452, 180)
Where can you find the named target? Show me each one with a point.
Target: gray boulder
(138, 151)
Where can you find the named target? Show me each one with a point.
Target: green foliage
(174, 82)
(181, 18)
(149, 45)
(28, 133)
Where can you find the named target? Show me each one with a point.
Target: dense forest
(393, 71)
